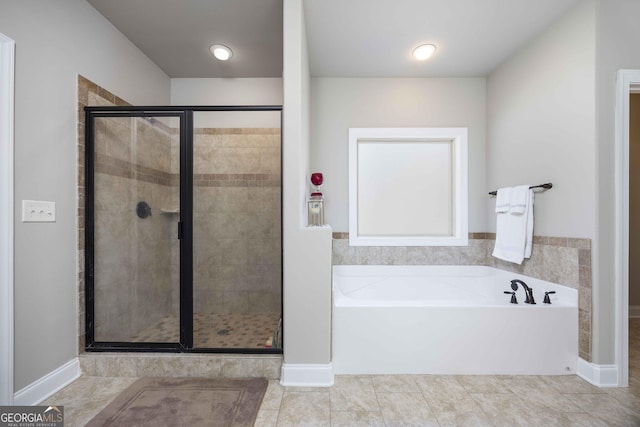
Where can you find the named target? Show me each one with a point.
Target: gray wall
(617, 33)
(340, 103)
(56, 40)
(307, 250)
(541, 124)
(592, 212)
(225, 91)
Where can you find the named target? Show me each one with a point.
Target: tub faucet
(527, 290)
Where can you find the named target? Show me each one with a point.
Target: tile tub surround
(566, 261)
(562, 260)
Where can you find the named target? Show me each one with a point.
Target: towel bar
(546, 186)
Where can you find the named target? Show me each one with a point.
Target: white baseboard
(634, 311)
(306, 375)
(44, 387)
(598, 375)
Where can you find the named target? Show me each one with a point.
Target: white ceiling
(176, 34)
(347, 38)
(374, 38)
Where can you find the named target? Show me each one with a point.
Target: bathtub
(449, 320)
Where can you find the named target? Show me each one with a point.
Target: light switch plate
(38, 211)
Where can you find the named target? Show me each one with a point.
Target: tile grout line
(476, 402)
(375, 392)
(422, 393)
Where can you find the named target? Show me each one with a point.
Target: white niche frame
(457, 140)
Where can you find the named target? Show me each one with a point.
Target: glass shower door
(237, 255)
(136, 251)
(183, 224)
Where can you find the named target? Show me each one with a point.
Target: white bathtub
(449, 320)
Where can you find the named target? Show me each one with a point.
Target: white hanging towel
(503, 200)
(514, 229)
(519, 197)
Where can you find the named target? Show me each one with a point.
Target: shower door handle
(180, 231)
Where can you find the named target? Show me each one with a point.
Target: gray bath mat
(185, 401)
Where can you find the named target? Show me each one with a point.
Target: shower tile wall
(89, 94)
(562, 260)
(237, 233)
(133, 281)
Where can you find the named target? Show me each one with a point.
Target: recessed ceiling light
(424, 51)
(221, 52)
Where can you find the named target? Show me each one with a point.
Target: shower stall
(183, 229)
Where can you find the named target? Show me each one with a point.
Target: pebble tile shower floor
(216, 330)
(424, 400)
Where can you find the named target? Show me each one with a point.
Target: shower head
(150, 119)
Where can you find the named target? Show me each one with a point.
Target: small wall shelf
(169, 211)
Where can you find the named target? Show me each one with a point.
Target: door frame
(91, 114)
(7, 114)
(185, 227)
(628, 81)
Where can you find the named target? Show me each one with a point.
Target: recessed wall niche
(408, 187)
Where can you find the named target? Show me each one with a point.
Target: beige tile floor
(417, 400)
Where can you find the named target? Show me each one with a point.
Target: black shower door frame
(184, 230)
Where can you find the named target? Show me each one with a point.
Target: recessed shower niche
(183, 229)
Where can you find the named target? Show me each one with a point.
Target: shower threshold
(181, 365)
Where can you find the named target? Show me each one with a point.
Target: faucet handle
(547, 300)
(513, 297)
